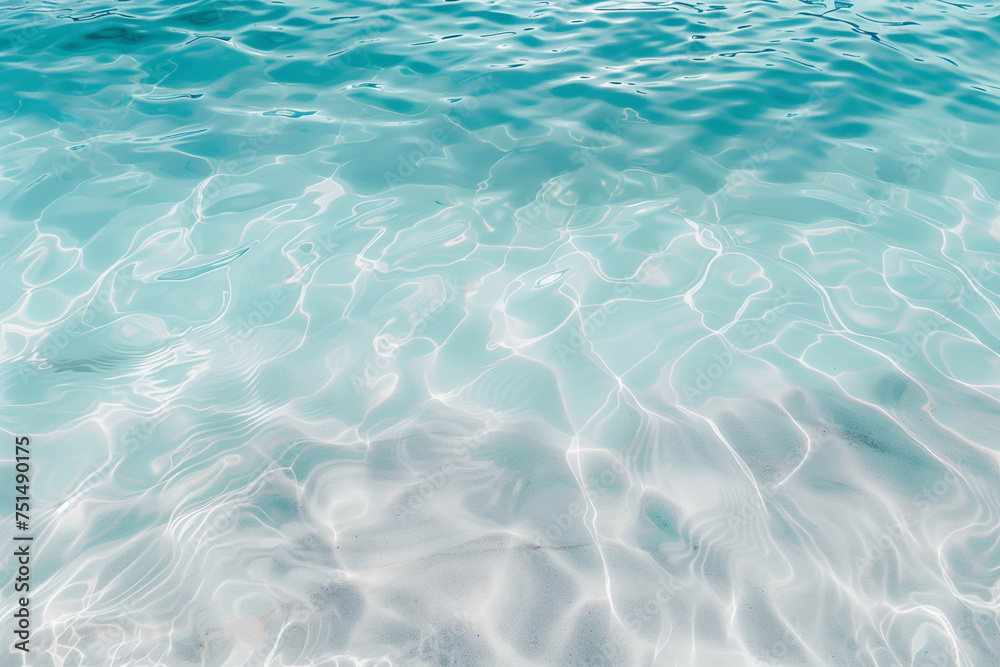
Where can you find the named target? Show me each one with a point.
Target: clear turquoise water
(524, 333)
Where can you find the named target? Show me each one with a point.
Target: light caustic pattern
(522, 333)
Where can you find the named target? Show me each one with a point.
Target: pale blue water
(523, 333)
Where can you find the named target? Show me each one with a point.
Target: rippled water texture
(518, 334)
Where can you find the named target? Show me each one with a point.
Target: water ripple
(586, 333)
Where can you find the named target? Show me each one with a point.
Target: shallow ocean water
(523, 333)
